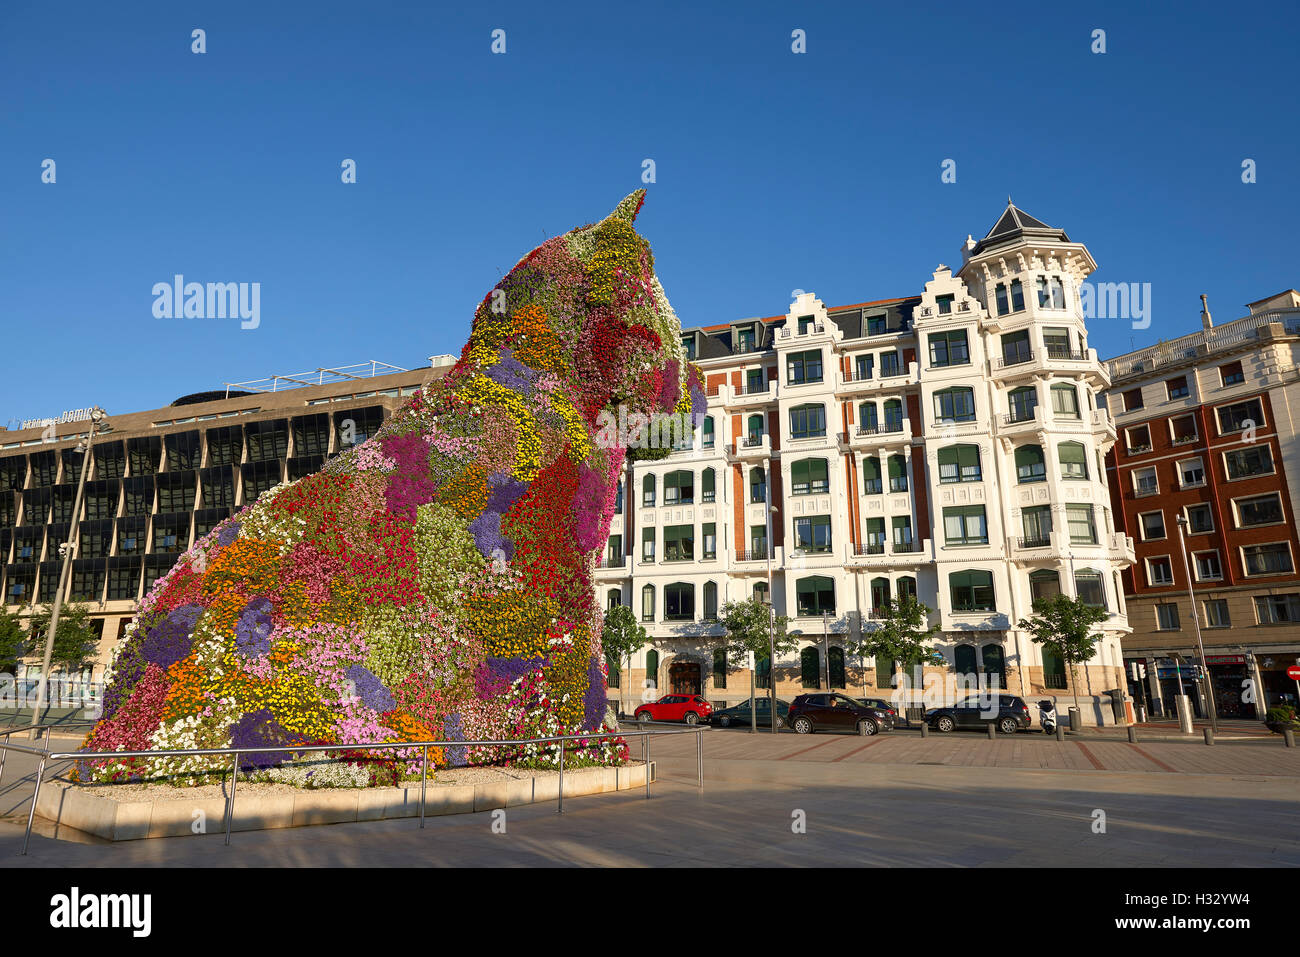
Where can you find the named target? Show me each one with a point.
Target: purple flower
(253, 630)
(496, 675)
(503, 491)
(254, 729)
(228, 534)
(370, 689)
(593, 702)
(486, 530)
(170, 640)
(452, 730)
(513, 374)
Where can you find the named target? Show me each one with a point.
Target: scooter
(1047, 716)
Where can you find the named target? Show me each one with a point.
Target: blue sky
(774, 171)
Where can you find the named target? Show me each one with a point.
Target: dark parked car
(675, 707)
(1010, 714)
(830, 711)
(882, 705)
(738, 714)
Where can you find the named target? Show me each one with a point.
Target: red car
(690, 708)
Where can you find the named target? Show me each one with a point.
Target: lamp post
(1196, 622)
(771, 603)
(67, 550)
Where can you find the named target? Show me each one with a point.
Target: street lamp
(67, 550)
(771, 602)
(1196, 622)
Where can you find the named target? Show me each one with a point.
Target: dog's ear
(629, 207)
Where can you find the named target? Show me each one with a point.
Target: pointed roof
(1015, 223)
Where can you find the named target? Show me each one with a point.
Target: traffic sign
(1293, 672)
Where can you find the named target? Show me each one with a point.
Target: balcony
(1019, 422)
(761, 555)
(1120, 547)
(882, 553)
(1028, 362)
(889, 433)
(751, 448)
(615, 566)
(744, 397)
(853, 384)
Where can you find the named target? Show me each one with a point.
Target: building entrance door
(684, 677)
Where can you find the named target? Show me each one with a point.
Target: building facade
(1207, 445)
(949, 444)
(161, 479)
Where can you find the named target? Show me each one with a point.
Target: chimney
(1207, 322)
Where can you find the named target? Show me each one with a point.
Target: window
(949, 348)
(1001, 294)
(1044, 584)
(708, 491)
(893, 415)
(648, 490)
(810, 668)
(1058, 293)
(1239, 416)
(955, 405)
(862, 366)
(815, 595)
(944, 304)
(888, 364)
(1138, 439)
(1065, 401)
(959, 463)
(1074, 460)
(1208, 568)
(1191, 473)
(1030, 465)
(711, 602)
(879, 593)
(760, 592)
(1271, 559)
(613, 598)
(1216, 613)
(1023, 403)
(1056, 340)
(875, 537)
(648, 608)
(804, 367)
(871, 482)
(809, 476)
(907, 586)
(805, 325)
(1232, 374)
(710, 535)
(867, 421)
(745, 339)
(1167, 617)
(647, 544)
(706, 433)
(1015, 348)
(902, 525)
(679, 488)
(757, 485)
(1259, 510)
(1089, 588)
(1160, 571)
(1184, 429)
(1037, 524)
(1017, 295)
(688, 347)
(971, 590)
(755, 382)
(807, 421)
(835, 665)
(1177, 388)
(1083, 528)
(1053, 668)
(1277, 609)
(679, 543)
(876, 325)
(679, 602)
(897, 474)
(1153, 525)
(1249, 462)
(965, 525)
(813, 533)
(1132, 400)
(1145, 482)
(758, 540)
(756, 426)
(719, 667)
(1200, 519)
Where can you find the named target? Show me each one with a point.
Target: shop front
(1180, 677)
(1234, 686)
(1278, 688)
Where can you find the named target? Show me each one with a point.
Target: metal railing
(46, 755)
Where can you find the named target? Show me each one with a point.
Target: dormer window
(688, 347)
(876, 325)
(805, 325)
(745, 339)
(945, 304)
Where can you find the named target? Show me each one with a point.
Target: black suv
(836, 712)
(1009, 714)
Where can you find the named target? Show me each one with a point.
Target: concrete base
(173, 815)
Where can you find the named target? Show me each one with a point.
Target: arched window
(706, 437)
(893, 415)
(618, 501)
(757, 426)
(679, 488)
(971, 590)
(1030, 466)
(708, 490)
(652, 668)
(807, 421)
(809, 476)
(710, 601)
(907, 586)
(835, 657)
(867, 421)
(679, 602)
(1043, 584)
(960, 463)
(897, 473)
(1074, 460)
(964, 660)
(648, 490)
(1088, 586)
(614, 674)
(1023, 403)
(885, 668)
(613, 598)
(720, 667)
(1053, 668)
(763, 672)
(955, 405)
(815, 595)
(648, 603)
(879, 595)
(760, 592)
(1065, 401)
(757, 485)
(810, 667)
(871, 483)
(995, 664)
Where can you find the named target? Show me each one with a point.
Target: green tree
(77, 641)
(903, 635)
(751, 626)
(620, 637)
(1065, 625)
(14, 642)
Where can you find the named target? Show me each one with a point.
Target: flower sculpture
(434, 582)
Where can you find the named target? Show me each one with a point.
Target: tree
(620, 636)
(751, 626)
(1065, 625)
(15, 644)
(77, 641)
(903, 636)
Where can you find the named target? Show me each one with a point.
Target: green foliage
(1065, 626)
(622, 634)
(445, 554)
(902, 636)
(14, 641)
(747, 625)
(1281, 717)
(77, 641)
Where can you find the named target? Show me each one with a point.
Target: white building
(949, 443)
